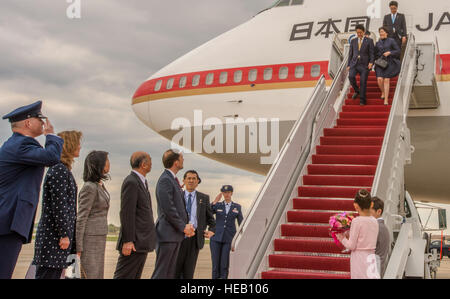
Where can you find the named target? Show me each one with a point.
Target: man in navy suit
(22, 163)
(173, 222)
(395, 22)
(361, 59)
(227, 212)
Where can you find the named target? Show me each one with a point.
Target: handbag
(381, 62)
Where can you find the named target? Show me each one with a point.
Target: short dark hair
(360, 27)
(137, 161)
(94, 164)
(193, 172)
(384, 29)
(363, 199)
(378, 204)
(393, 3)
(169, 158)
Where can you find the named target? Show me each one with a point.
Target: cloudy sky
(86, 71)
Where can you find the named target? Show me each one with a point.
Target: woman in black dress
(55, 235)
(387, 48)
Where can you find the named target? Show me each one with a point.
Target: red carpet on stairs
(344, 162)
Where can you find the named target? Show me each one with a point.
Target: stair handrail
(388, 182)
(275, 191)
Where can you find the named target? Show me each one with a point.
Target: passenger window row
(238, 75)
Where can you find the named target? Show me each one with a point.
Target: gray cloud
(87, 70)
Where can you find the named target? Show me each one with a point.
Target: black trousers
(187, 259)
(363, 71)
(48, 273)
(166, 260)
(10, 246)
(130, 267)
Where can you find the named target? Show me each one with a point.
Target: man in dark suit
(384, 237)
(361, 59)
(137, 233)
(395, 22)
(227, 212)
(22, 164)
(200, 216)
(172, 224)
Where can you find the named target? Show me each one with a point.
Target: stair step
(357, 132)
(369, 102)
(366, 108)
(330, 192)
(346, 159)
(372, 88)
(348, 150)
(276, 274)
(304, 230)
(301, 216)
(307, 245)
(337, 180)
(365, 115)
(318, 169)
(320, 263)
(342, 140)
(362, 122)
(323, 204)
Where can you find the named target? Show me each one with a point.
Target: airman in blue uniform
(22, 164)
(227, 212)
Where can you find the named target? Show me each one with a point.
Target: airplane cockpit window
(223, 78)
(315, 71)
(209, 78)
(299, 71)
(183, 81)
(268, 74)
(196, 80)
(170, 83)
(289, 2)
(252, 75)
(158, 85)
(283, 73)
(237, 76)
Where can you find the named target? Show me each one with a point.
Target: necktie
(189, 204)
(393, 18)
(359, 44)
(146, 185)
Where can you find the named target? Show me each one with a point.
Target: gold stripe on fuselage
(225, 89)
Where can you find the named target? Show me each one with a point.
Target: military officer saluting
(227, 212)
(22, 164)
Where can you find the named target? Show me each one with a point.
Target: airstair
(336, 148)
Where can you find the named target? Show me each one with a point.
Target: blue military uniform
(220, 243)
(22, 164)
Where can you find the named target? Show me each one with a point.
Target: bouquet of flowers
(340, 223)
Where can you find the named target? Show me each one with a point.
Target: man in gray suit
(173, 222)
(137, 233)
(384, 237)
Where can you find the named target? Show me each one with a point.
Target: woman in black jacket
(387, 49)
(55, 237)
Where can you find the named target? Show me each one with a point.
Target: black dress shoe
(362, 103)
(355, 95)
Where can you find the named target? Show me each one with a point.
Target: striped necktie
(189, 205)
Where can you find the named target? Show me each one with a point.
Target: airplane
(260, 75)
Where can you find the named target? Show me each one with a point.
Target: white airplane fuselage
(262, 72)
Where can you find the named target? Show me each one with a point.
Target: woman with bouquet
(362, 239)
